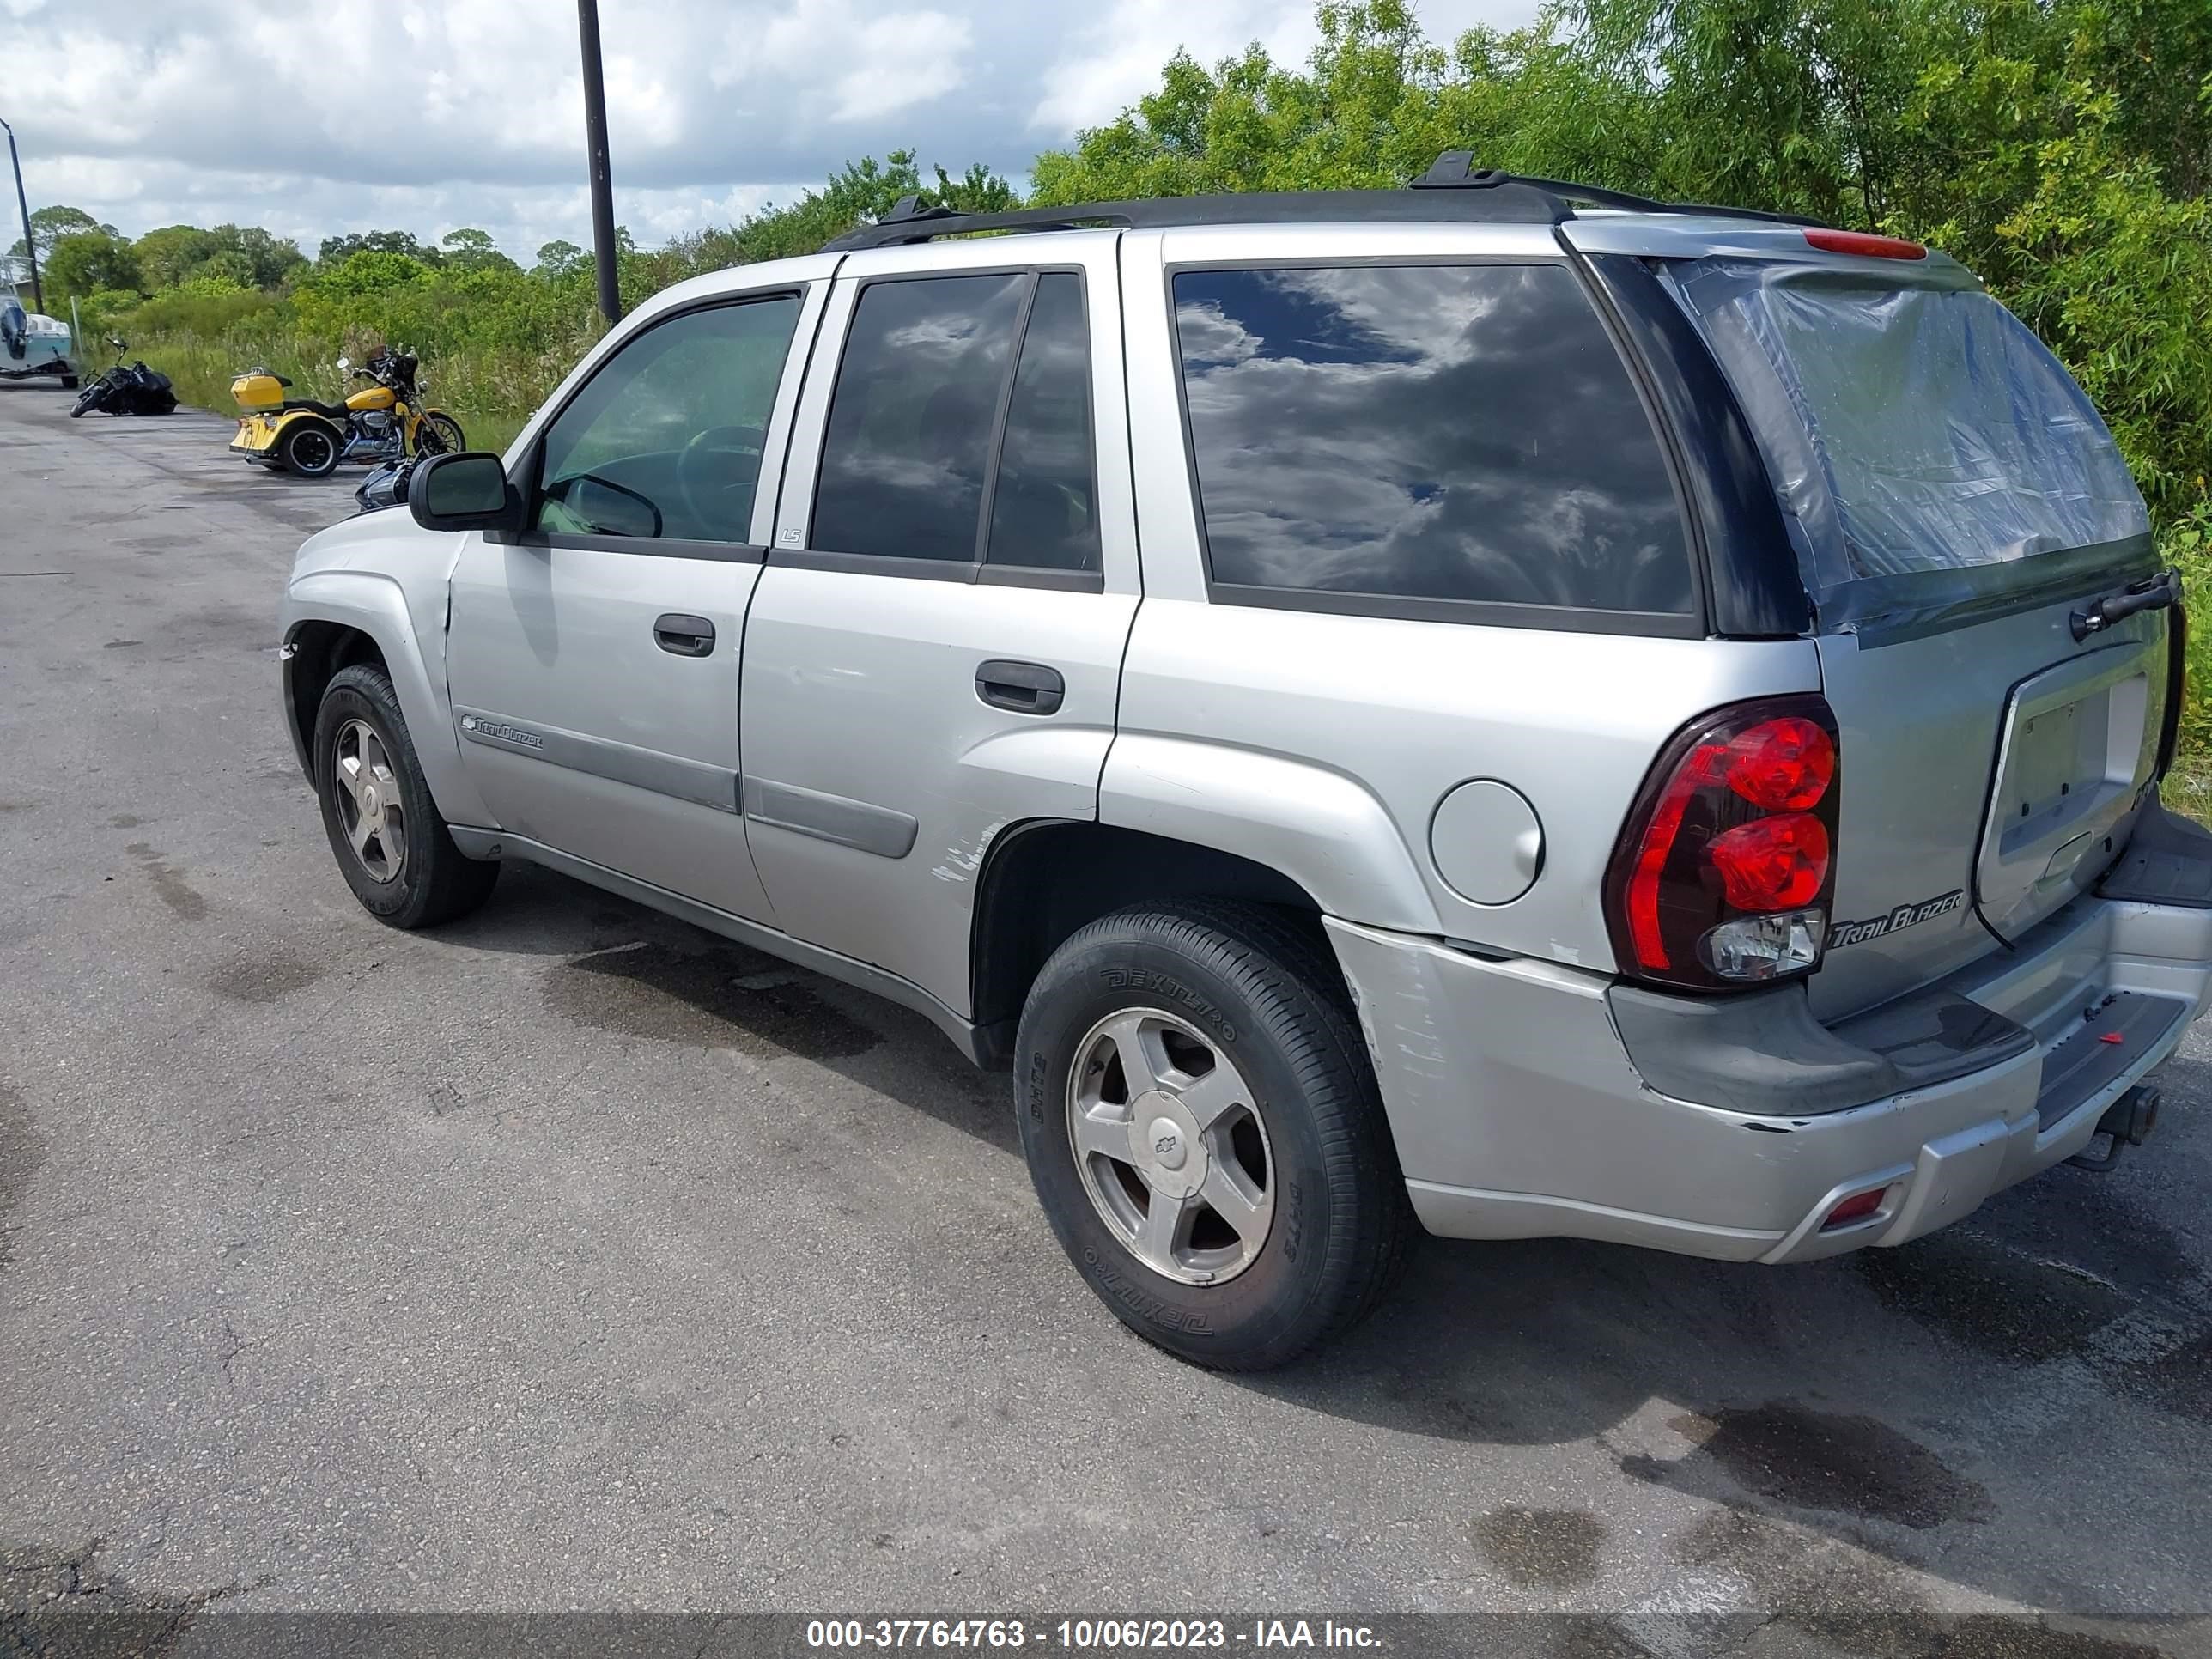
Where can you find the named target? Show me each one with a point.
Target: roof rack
(1455, 170)
(1452, 191)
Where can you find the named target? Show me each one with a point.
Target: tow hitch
(2128, 1121)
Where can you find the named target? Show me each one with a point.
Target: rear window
(1911, 429)
(1411, 436)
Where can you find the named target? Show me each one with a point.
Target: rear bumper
(1519, 1110)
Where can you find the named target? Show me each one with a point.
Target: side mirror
(344, 363)
(118, 342)
(466, 491)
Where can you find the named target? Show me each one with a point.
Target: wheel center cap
(1164, 1144)
(369, 800)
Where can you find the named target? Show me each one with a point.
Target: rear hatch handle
(2151, 594)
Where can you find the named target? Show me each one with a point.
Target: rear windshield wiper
(2151, 594)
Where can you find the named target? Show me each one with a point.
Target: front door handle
(1026, 688)
(684, 635)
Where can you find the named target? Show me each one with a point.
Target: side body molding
(1316, 827)
(414, 651)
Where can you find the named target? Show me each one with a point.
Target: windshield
(1910, 429)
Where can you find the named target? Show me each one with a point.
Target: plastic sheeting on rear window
(1910, 429)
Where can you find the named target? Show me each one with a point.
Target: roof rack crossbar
(1452, 190)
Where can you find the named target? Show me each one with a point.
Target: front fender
(1319, 827)
(376, 605)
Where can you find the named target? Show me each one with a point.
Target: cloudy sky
(314, 119)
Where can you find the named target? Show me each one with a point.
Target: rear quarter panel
(1396, 714)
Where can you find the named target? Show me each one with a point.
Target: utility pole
(595, 135)
(23, 204)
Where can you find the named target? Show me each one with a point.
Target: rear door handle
(684, 635)
(1026, 688)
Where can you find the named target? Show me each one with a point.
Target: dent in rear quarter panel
(1396, 713)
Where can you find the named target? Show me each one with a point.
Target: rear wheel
(391, 845)
(1203, 1127)
(309, 450)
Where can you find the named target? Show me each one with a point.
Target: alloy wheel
(1171, 1146)
(369, 801)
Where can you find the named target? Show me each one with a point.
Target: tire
(427, 879)
(440, 435)
(1249, 986)
(87, 400)
(309, 450)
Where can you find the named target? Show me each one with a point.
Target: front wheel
(1203, 1127)
(87, 402)
(309, 450)
(439, 433)
(391, 846)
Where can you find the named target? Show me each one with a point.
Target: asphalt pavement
(571, 1258)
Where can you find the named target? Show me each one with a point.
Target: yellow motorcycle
(384, 422)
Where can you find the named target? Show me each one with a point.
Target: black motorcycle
(126, 389)
(388, 485)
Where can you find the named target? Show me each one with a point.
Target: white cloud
(426, 114)
(881, 65)
(1113, 60)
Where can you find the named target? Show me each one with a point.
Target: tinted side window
(1044, 509)
(911, 415)
(665, 441)
(1433, 432)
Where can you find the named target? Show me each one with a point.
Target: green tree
(370, 271)
(225, 268)
(859, 193)
(167, 256)
(336, 250)
(85, 262)
(273, 259)
(561, 259)
(48, 224)
(474, 250)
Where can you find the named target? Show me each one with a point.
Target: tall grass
(492, 392)
(489, 363)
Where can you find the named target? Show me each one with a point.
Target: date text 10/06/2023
(1081, 1635)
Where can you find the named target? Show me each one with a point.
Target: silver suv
(1496, 706)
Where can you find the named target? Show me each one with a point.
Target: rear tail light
(1866, 246)
(1724, 873)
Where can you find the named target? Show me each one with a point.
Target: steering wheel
(703, 469)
